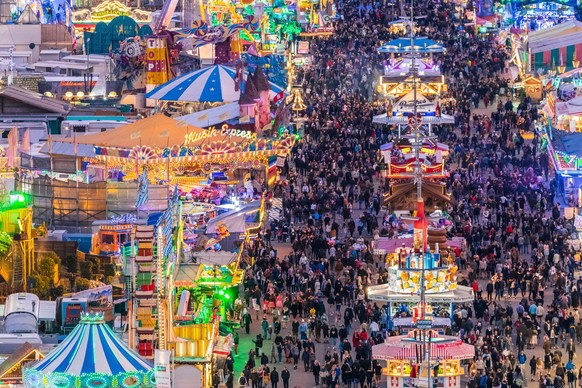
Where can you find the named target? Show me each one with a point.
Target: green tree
(56, 292)
(82, 284)
(41, 285)
(86, 269)
(46, 268)
(72, 263)
(109, 269)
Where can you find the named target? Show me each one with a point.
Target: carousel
(92, 355)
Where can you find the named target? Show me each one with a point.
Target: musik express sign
(225, 130)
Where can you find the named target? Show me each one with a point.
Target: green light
(221, 292)
(14, 198)
(226, 296)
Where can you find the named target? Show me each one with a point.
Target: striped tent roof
(91, 350)
(210, 84)
(396, 349)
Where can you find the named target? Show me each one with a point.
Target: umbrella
(211, 84)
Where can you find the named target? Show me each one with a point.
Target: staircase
(146, 314)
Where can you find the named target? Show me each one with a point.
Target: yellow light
(112, 94)
(48, 94)
(80, 94)
(69, 94)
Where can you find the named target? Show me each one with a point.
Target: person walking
(285, 376)
(274, 378)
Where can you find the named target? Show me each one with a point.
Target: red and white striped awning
(396, 349)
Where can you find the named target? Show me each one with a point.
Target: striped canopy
(92, 353)
(210, 84)
(396, 349)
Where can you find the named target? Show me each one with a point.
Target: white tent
(560, 35)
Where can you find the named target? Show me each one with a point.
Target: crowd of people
(313, 301)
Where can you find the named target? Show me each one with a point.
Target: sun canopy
(90, 353)
(211, 84)
(419, 45)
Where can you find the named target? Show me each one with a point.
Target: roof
(570, 143)
(28, 16)
(212, 116)
(251, 94)
(561, 35)
(35, 99)
(403, 45)
(260, 80)
(63, 65)
(398, 348)
(403, 120)
(233, 220)
(382, 293)
(68, 149)
(91, 348)
(153, 131)
(17, 357)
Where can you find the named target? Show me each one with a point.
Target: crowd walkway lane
(299, 378)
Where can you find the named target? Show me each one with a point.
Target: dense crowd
(504, 204)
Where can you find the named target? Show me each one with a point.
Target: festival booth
(91, 355)
(168, 149)
(406, 263)
(402, 364)
(557, 46)
(398, 80)
(540, 15)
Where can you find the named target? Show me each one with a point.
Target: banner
(303, 47)
(103, 295)
(409, 169)
(156, 61)
(578, 222)
(162, 370)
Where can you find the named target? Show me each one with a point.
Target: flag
(142, 189)
(12, 147)
(279, 96)
(25, 145)
(238, 78)
(75, 143)
(253, 51)
(578, 222)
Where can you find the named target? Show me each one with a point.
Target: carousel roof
(397, 348)
(418, 44)
(211, 84)
(403, 120)
(91, 349)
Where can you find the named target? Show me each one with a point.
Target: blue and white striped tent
(210, 84)
(91, 355)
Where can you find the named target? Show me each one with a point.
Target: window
(107, 239)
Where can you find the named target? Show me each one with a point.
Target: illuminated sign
(109, 10)
(194, 137)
